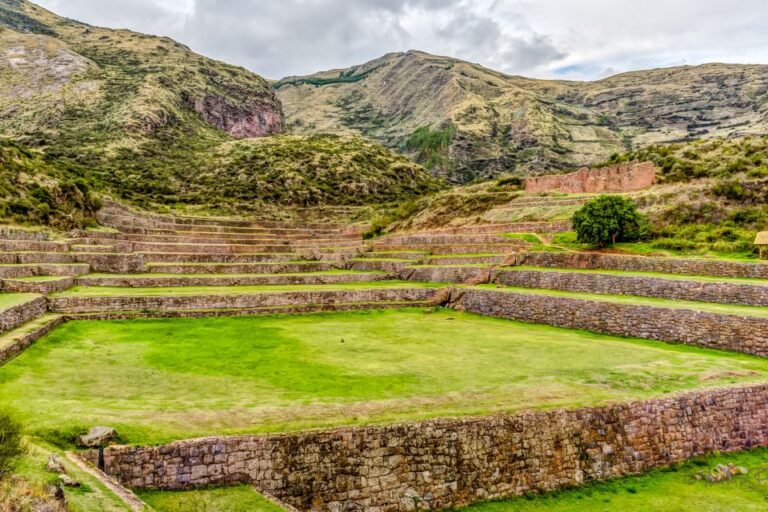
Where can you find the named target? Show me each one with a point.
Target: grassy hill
(146, 119)
(465, 121)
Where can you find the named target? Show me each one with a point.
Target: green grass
(37, 279)
(199, 276)
(679, 277)
(102, 291)
(669, 490)
(159, 380)
(8, 300)
(708, 307)
(228, 499)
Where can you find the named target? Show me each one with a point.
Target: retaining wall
(14, 316)
(74, 304)
(453, 462)
(625, 177)
(724, 332)
(10, 350)
(644, 264)
(286, 279)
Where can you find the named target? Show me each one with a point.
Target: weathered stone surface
(14, 316)
(725, 332)
(689, 266)
(97, 437)
(625, 177)
(454, 462)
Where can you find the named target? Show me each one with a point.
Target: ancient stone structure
(453, 462)
(625, 177)
(702, 267)
(725, 332)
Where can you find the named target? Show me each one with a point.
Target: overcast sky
(578, 39)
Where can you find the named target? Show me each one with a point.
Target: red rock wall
(627, 177)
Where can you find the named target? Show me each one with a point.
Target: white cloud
(541, 38)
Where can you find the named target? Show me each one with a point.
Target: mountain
(465, 121)
(147, 120)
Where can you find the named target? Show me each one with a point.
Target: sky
(571, 39)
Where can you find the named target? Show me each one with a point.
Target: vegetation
(606, 220)
(32, 191)
(230, 499)
(158, 380)
(349, 76)
(431, 146)
(673, 489)
(11, 447)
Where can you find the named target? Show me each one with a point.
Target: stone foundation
(724, 332)
(588, 260)
(454, 462)
(626, 177)
(14, 316)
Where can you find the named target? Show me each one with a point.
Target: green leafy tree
(606, 220)
(11, 446)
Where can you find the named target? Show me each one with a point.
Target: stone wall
(42, 287)
(725, 332)
(454, 462)
(644, 286)
(228, 280)
(717, 268)
(75, 304)
(13, 347)
(625, 177)
(14, 316)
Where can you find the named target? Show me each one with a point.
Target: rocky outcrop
(255, 119)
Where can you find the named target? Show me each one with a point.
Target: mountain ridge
(512, 124)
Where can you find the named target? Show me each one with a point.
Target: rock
(97, 437)
(68, 481)
(54, 464)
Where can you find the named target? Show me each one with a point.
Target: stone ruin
(625, 177)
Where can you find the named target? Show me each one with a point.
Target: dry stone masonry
(454, 462)
(625, 177)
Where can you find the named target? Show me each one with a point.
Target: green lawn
(8, 300)
(198, 276)
(101, 291)
(709, 307)
(679, 277)
(158, 380)
(228, 499)
(670, 490)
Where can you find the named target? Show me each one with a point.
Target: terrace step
(510, 246)
(38, 284)
(243, 268)
(32, 245)
(506, 227)
(468, 259)
(19, 308)
(230, 258)
(97, 299)
(382, 265)
(446, 239)
(403, 255)
(43, 269)
(163, 281)
(19, 338)
(93, 248)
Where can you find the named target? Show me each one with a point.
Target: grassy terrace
(679, 277)
(229, 499)
(708, 307)
(199, 276)
(670, 490)
(8, 300)
(158, 380)
(105, 291)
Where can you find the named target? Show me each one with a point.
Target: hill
(465, 121)
(146, 119)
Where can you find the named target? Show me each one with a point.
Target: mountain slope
(469, 122)
(146, 119)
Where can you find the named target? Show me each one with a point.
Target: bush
(11, 447)
(607, 220)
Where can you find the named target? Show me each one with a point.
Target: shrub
(607, 220)
(11, 447)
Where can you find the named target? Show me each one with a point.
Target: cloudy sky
(578, 39)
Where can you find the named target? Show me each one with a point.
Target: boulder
(54, 464)
(68, 481)
(97, 437)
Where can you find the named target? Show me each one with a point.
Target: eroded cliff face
(254, 119)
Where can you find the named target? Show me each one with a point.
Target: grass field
(670, 490)
(708, 307)
(230, 499)
(158, 380)
(8, 300)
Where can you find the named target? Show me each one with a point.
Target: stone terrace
(156, 265)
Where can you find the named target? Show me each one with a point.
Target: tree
(606, 220)
(11, 447)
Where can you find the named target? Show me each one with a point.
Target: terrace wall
(75, 304)
(453, 462)
(14, 316)
(725, 332)
(625, 177)
(644, 264)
